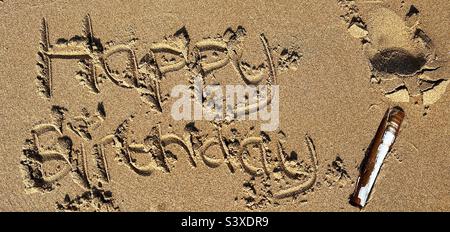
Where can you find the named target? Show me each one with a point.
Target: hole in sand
(397, 61)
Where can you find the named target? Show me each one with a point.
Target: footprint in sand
(401, 56)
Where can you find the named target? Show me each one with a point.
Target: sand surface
(86, 122)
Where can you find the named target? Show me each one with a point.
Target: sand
(86, 123)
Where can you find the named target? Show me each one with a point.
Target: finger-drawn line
(252, 170)
(168, 139)
(217, 46)
(131, 59)
(48, 155)
(272, 72)
(140, 148)
(44, 63)
(312, 176)
(85, 165)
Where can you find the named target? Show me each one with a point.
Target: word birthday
(62, 142)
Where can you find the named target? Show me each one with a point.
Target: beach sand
(86, 107)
